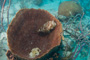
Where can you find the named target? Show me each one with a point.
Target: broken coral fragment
(23, 38)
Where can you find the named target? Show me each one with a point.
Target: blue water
(79, 42)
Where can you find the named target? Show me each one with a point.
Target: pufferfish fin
(62, 37)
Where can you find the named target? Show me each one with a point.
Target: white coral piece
(34, 52)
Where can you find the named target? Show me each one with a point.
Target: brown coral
(23, 38)
(69, 9)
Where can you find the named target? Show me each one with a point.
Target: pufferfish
(49, 26)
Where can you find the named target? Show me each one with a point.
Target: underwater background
(76, 31)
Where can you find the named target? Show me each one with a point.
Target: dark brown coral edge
(23, 36)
